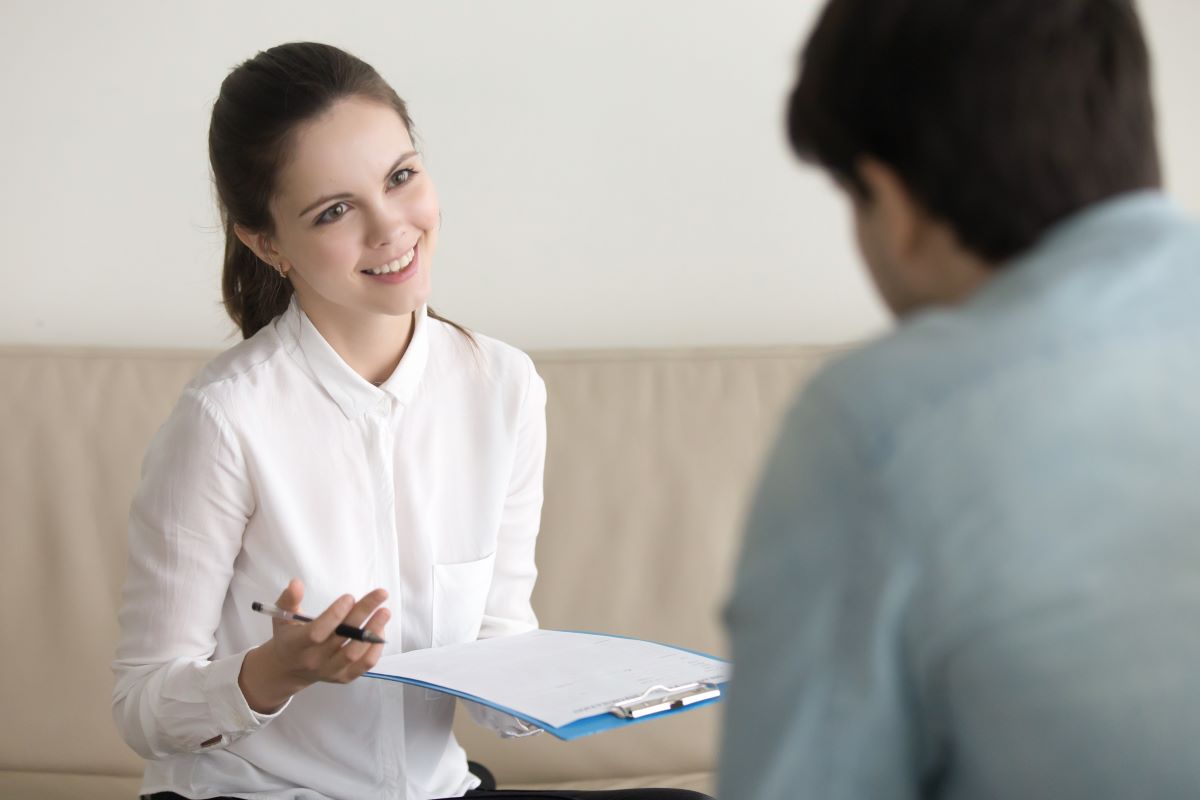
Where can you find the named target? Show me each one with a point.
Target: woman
(356, 450)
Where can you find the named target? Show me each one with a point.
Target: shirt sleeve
(818, 705)
(185, 532)
(508, 726)
(508, 609)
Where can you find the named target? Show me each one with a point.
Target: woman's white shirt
(279, 461)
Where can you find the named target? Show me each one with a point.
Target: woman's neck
(372, 344)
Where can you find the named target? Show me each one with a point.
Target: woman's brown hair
(261, 104)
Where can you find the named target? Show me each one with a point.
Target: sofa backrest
(652, 459)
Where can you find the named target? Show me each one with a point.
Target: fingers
(365, 607)
(291, 597)
(357, 615)
(315, 652)
(321, 628)
(356, 657)
(289, 600)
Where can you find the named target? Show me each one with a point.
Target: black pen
(349, 631)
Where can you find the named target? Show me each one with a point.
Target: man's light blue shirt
(973, 567)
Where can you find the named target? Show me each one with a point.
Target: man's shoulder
(884, 380)
(1120, 270)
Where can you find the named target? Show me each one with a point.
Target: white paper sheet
(555, 676)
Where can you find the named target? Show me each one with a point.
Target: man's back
(988, 524)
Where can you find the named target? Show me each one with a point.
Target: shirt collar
(354, 394)
(1080, 242)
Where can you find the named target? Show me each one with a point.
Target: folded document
(570, 684)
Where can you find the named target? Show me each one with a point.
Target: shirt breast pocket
(460, 593)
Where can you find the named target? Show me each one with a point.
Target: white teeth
(395, 266)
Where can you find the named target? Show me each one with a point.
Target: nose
(385, 225)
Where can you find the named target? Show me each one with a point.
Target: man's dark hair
(1000, 116)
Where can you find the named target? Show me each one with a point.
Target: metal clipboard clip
(657, 699)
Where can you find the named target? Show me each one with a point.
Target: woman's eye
(333, 212)
(400, 176)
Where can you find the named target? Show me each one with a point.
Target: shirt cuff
(232, 714)
(508, 726)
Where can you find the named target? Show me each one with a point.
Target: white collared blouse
(279, 461)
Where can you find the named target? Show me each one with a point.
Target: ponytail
(253, 292)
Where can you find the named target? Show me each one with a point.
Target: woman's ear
(261, 244)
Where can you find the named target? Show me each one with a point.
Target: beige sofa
(652, 459)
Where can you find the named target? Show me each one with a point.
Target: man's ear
(901, 218)
(261, 244)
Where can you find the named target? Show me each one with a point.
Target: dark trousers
(487, 789)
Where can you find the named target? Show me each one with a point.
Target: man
(973, 567)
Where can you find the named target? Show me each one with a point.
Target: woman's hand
(299, 655)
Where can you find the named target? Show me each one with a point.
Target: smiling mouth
(393, 266)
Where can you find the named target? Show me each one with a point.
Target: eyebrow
(345, 195)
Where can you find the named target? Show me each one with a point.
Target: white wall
(612, 172)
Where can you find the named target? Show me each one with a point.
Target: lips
(397, 270)
(393, 266)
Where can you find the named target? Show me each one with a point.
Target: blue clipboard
(623, 714)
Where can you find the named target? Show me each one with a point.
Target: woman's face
(356, 217)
